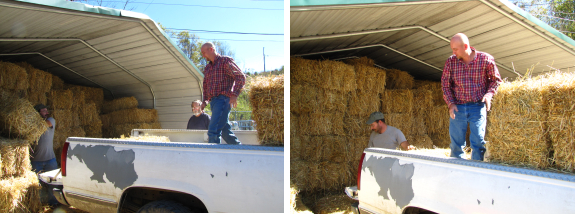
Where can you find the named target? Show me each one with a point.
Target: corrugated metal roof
(124, 52)
(414, 35)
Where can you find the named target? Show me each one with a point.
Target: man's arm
(204, 95)
(49, 123)
(493, 82)
(406, 146)
(448, 96)
(239, 81)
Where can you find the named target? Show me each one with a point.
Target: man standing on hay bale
(200, 120)
(43, 158)
(469, 81)
(384, 136)
(223, 82)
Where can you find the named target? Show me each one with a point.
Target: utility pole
(264, 52)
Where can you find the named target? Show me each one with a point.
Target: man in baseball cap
(43, 158)
(384, 136)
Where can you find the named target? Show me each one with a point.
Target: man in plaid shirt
(469, 81)
(223, 82)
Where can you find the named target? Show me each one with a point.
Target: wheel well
(136, 197)
(417, 210)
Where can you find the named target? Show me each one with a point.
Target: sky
(242, 16)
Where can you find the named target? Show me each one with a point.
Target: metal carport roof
(414, 35)
(124, 52)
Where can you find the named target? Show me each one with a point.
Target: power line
(237, 40)
(556, 17)
(195, 5)
(211, 31)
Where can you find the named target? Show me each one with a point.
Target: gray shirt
(390, 139)
(44, 150)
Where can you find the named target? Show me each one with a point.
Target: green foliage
(559, 14)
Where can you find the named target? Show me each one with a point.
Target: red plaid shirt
(470, 83)
(220, 76)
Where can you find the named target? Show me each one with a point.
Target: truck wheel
(164, 206)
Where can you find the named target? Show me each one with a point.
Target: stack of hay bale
(267, 100)
(436, 113)
(68, 123)
(20, 126)
(121, 115)
(532, 123)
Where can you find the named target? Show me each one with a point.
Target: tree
(559, 14)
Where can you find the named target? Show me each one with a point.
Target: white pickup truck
(112, 175)
(391, 181)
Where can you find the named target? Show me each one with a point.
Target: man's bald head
(460, 46)
(460, 39)
(209, 51)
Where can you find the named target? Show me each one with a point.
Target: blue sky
(222, 15)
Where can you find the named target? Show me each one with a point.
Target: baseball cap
(374, 116)
(40, 107)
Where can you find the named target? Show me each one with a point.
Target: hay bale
(149, 138)
(36, 97)
(38, 80)
(13, 76)
(267, 100)
(326, 74)
(420, 141)
(334, 204)
(422, 102)
(119, 104)
(363, 103)
(78, 102)
(368, 78)
(397, 101)
(325, 148)
(356, 146)
(130, 116)
(89, 114)
(403, 122)
(18, 118)
(355, 126)
(397, 79)
(15, 158)
(311, 176)
(437, 119)
(295, 147)
(418, 126)
(321, 124)
(94, 129)
(61, 99)
(434, 87)
(95, 95)
(303, 98)
(64, 118)
(517, 129)
(441, 139)
(360, 61)
(116, 131)
(20, 194)
(57, 83)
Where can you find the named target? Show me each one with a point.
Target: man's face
(375, 126)
(458, 49)
(207, 53)
(196, 108)
(44, 113)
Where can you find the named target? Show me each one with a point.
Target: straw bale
(125, 129)
(397, 101)
(356, 146)
(360, 61)
(321, 124)
(363, 103)
(335, 176)
(368, 78)
(434, 87)
(295, 147)
(78, 102)
(517, 129)
(89, 114)
(38, 80)
(355, 126)
(61, 99)
(93, 129)
(13, 76)
(403, 122)
(131, 116)
(334, 204)
(418, 126)
(294, 121)
(36, 97)
(325, 148)
(149, 138)
(303, 71)
(18, 93)
(20, 194)
(57, 83)
(270, 125)
(303, 98)
(15, 157)
(330, 100)
(119, 104)
(95, 95)
(397, 79)
(64, 118)
(323, 74)
(60, 136)
(420, 141)
(18, 118)
(311, 176)
(441, 139)
(422, 102)
(437, 119)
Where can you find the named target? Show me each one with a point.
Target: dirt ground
(61, 209)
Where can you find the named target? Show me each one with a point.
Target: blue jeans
(475, 114)
(219, 124)
(45, 166)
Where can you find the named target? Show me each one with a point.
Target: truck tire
(164, 206)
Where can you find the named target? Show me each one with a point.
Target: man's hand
(233, 101)
(452, 110)
(203, 106)
(405, 146)
(487, 102)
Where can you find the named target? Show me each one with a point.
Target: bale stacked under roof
(78, 101)
(18, 118)
(323, 74)
(122, 122)
(15, 158)
(397, 79)
(119, 104)
(434, 87)
(13, 77)
(368, 78)
(267, 100)
(312, 176)
(397, 101)
(61, 99)
(38, 80)
(57, 83)
(362, 104)
(95, 95)
(20, 194)
(420, 141)
(321, 124)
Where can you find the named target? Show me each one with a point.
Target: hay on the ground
(130, 116)
(61, 99)
(517, 125)
(403, 122)
(18, 118)
(267, 100)
(334, 204)
(321, 124)
(420, 141)
(119, 104)
(397, 79)
(363, 103)
(397, 101)
(20, 194)
(13, 76)
(15, 158)
(150, 138)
